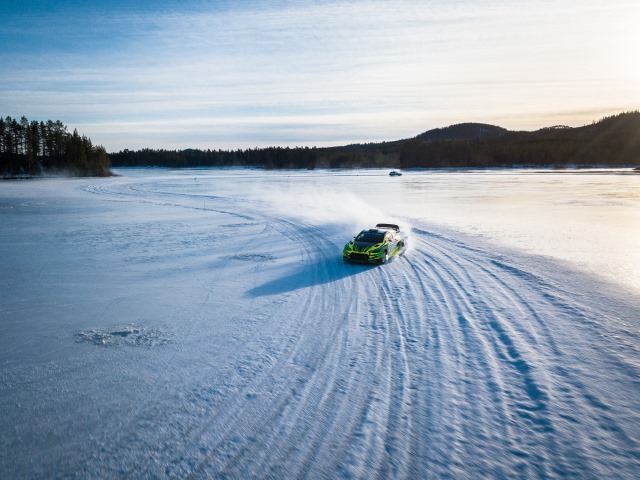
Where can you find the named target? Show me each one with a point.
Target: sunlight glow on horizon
(318, 73)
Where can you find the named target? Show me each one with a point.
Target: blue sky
(241, 74)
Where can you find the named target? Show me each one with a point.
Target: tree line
(35, 148)
(267, 158)
(612, 141)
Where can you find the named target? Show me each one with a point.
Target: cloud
(230, 75)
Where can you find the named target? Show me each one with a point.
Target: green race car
(375, 245)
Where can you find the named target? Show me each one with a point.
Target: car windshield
(370, 237)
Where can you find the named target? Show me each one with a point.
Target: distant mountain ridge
(612, 141)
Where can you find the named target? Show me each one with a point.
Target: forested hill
(612, 141)
(36, 148)
(463, 131)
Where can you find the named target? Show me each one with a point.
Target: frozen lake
(590, 219)
(201, 323)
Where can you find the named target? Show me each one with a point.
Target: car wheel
(384, 257)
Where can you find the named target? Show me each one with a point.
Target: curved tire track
(446, 362)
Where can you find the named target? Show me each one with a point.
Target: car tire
(385, 257)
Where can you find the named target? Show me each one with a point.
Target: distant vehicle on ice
(394, 173)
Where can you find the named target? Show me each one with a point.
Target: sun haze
(180, 74)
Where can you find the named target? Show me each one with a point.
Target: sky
(244, 74)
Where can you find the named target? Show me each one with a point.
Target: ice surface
(201, 323)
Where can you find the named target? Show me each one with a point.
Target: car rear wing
(388, 225)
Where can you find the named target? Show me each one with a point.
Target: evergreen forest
(37, 148)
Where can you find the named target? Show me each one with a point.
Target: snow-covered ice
(202, 324)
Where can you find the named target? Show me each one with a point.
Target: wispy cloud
(318, 73)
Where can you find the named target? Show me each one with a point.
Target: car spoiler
(388, 225)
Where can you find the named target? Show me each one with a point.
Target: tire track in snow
(227, 438)
(542, 379)
(487, 350)
(500, 325)
(382, 437)
(448, 362)
(194, 450)
(374, 393)
(297, 441)
(231, 416)
(279, 428)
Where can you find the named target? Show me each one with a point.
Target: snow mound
(124, 336)
(253, 257)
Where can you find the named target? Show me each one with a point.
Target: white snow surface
(202, 324)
